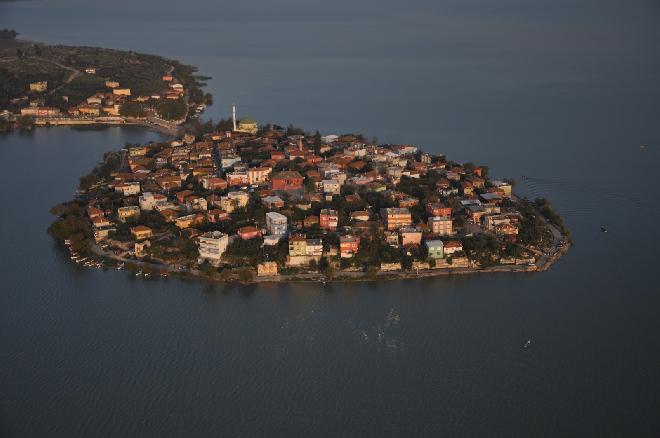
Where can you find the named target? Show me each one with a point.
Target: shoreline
(161, 270)
(168, 131)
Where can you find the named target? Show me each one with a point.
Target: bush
(245, 274)
(207, 269)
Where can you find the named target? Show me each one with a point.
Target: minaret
(233, 115)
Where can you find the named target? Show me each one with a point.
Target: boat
(603, 229)
(527, 344)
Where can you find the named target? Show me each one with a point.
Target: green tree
(318, 142)
(132, 109)
(207, 269)
(25, 121)
(171, 109)
(245, 274)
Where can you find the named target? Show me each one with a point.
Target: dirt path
(74, 73)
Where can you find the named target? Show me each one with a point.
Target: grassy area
(16, 76)
(79, 89)
(23, 62)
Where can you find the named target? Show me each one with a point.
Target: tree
(372, 271)
(224, 125)
(132, 109)
(86, 181)
(171, 109)
(225, 275)
(8, 34)
(406, 262)
(245, 274)
(25, 121)
(292, 130)
(207, 269)
(330, 272)
(318, 142)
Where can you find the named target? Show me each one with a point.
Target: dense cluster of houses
(315, 197)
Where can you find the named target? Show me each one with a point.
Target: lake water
(563, 92)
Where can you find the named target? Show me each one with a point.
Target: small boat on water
(527, 344)
(603, 229)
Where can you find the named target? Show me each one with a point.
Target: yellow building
(111, 110)
(137, 151)
(126, 213)
(266, 269)
(121, 91)
(39, 87)
(140, 248)
(247, 125)
(141, 232)
(234, 200)
(297, 245)
(184, 222)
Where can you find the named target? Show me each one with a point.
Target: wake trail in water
(539, 187)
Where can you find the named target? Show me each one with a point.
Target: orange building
(328, 219)
(395, 218)
(348, 246)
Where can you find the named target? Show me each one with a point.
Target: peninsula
(54, 85)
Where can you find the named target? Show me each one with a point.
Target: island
(268, 203)
(54, 85)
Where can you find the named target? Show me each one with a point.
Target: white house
(212, 246)
(276, 223)
(331, 187)
(128, 188)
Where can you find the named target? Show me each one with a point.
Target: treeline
(111, 163)
(71, 225)
(544, 207)
(8, 34)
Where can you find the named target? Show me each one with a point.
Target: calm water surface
(561, 91)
